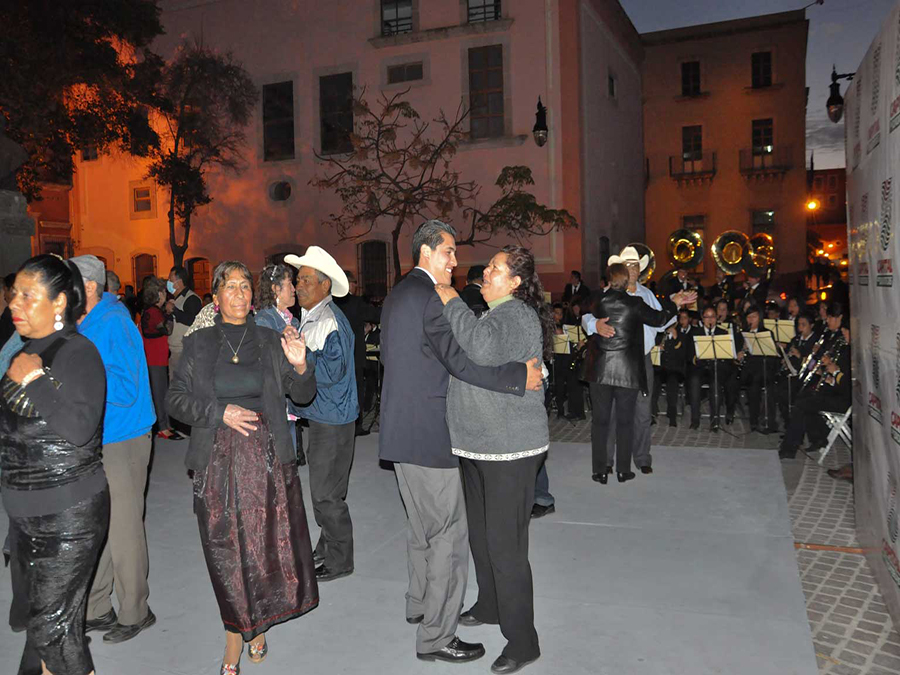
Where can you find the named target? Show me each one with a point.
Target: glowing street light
(812, 204)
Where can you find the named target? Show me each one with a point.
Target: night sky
(840, 32)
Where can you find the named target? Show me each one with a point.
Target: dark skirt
(56, 555)
(254, 533)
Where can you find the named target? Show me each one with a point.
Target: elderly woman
(156, 326)
(230, 386)
(501, 441)
(54, 489)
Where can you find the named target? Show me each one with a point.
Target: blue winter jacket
(329, 349)
(129, 404)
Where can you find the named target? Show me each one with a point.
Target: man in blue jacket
(333, 412)
(126, 455)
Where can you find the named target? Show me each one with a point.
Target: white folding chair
(839, 423)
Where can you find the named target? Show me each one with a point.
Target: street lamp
(540, 124)
(835, 102)
(812, 205)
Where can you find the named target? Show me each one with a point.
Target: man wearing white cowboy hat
(332, 413)
(636, 264)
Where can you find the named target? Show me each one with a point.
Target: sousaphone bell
(685, 248)
(730, 251)
(760, 259)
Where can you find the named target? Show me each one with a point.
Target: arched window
(143, 266)
(200, 273)
(372, 262)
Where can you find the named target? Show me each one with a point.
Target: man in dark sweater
(471, 294)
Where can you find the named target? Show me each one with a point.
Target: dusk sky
(840, 32)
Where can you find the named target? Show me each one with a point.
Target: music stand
(714, 348)
(762, 344)
(575, 333)
(561, 343)
(783, 329)
(655, 356)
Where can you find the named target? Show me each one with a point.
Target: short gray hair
(112, 282)
(430, 234)
(223, 271)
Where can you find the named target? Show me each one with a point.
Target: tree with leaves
(401, 171)
(205, 100)
(73, 75)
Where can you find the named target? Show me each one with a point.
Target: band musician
(710, 372)
(759, 372)
(829, 390)
(797, 350)
(675, 359)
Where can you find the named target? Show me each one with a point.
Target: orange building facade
(828, 217)
(724, 135)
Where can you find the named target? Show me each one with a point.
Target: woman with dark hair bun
(54, 489)
(501, 441)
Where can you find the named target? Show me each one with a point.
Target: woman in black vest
(54, 489)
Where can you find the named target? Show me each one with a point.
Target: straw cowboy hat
(320, 260)
(629, 254)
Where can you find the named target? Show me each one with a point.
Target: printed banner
(872, 119)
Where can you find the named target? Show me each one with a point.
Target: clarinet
(838, 350)
(808, 367)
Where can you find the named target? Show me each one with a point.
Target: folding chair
(839, 423)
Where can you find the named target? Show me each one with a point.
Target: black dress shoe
(695, 425)
(105, 622)
(415, 619)
(576, 418)
(456, 651)
(324, 573)
(627, 475)
(505, 665)
(787, 454)
(121, 633)
(467, 619)
(539, 510)
(714, 426)
(673, 423)
(729, 420)
(600, 478)
(646, 469)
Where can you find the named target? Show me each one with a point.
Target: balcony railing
(766, 160)
(396, 26)
(480, 12)
(688, 166)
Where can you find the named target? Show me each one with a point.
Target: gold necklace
(235, 359)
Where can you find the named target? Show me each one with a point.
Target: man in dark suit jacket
(709, 372)
(723, 288)
(471, 294)
(576, 290)
(755, 289)
(678, 282)
(359, 312)
(419, 354)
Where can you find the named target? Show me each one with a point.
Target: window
(372, 258)
(691, 143)
(336, 112)
(832, 201)
(486, 91)
(832, 183)
(396, 17)
(763, 135)
(141, 199)
(405, 72)
(612, 85)
(690, 78)
(484, 10)
(761, 67)
(762, 222)
(278, 121)
(89, 153)
(818, 183)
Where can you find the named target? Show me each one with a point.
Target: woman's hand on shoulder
(24, 365)
(294, 350)
(240, 419)
(445, 292)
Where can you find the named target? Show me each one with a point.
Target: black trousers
(701, 376)
(806, 420)
(566, 386)
(754, 378)
(499, 498)
(787, 389)
(602, 397)
(330, 457)
(159, 385)
(673, 379)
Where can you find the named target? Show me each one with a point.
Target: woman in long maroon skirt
(230, 386)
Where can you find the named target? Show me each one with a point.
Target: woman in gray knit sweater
(500, 440)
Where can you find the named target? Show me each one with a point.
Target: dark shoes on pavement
(601, 478)
(122, 633)
(325, 573)
(467, 619)
(505, 665)
(625, 476)
(646, 469)
(105, 622)
(456, 651)
(539, 510)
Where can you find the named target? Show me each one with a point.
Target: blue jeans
(542, 494)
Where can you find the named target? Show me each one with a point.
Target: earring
(216, 308)
(253, 309)
(59, 325)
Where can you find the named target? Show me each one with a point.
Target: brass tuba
(760, 259)
(644, 250)
(730, 251)
(685, 248)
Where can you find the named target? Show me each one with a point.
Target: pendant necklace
(235, 359)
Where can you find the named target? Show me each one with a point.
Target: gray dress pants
(437, 543)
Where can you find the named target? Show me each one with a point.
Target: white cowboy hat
(320, 260)
(629, 254)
